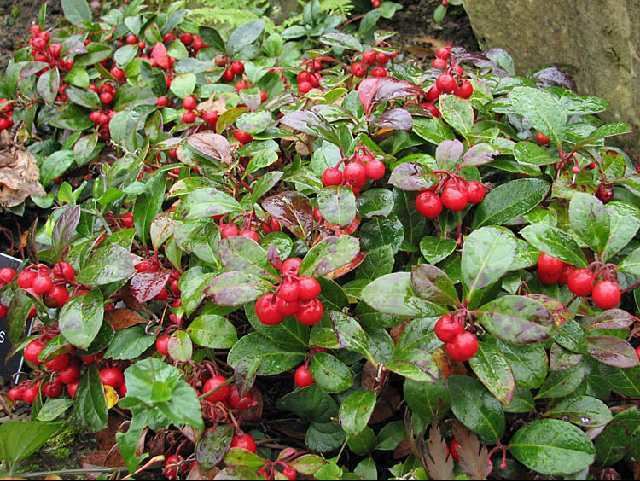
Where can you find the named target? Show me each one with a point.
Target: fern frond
(337, 7)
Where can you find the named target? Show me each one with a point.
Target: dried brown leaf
(474, 457)
(19, 177)
(124, 319)
(439, 463)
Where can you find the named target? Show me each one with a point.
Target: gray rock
(596, 41)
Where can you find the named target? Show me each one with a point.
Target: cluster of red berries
(172, 288)
(373, 63)
(450, 81)
(278, 470)
(460, 344)
(44, 51)
(454, 193)
(191, 114)
(48, 284)
(308, 81)
(602, 286)
(6, 114)
(101, 118)
(362, 167)
(296, 296)
(232, 230)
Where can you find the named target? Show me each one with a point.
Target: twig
(72, 472)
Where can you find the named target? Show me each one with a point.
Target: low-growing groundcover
(280, 252)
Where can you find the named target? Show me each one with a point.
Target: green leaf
(48, 85)
(125, 55)
(211, 449)
(180, 346)
(552, 447)
(584, 411)
(329, 255)
(530, 153)
(619, 437)
(434, 131)
(90, 408)
(434, 285)
(435, 249)
(245, 255)
(542, 109)
(271, 358)
(129, 344)
(509, 201)
(255, 122)
(52, 409)
(84, 98)
(330, 374)
(205, 203)
(341, 41)
(183, 85)
(487, 255)
(213, 331)
(458, 113)
(337, 205)
(476, 408)
(324, 437)
(81, 319)
(555, 242)
(561, 384)
(624, 222)
(55, 165)
(149, 205)
(236, 288)
(589, 220)
(375, 202)
(108, 264)
(631, 263)
(21, 439)
(244, 36)
(381, 231)
(493, 370)
(355, 411)
(77, 12)
(517, 319)
(529, 363)
(393, 294)
(430, 400)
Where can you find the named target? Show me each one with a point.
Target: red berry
(111, 376)
(379, 72)
(359, 69)
(32, 352)
(287, 308)
(4, 310)
(638, 352)
(550, 269)
(369, 57)
(267, 310)
(444, 53)
(439, 64)
(375, 169)
(242, 85)
(238, 402)
(433, 94)
(237, 68)
(264, 96)
(454, 198)
(30, 393)
(162, 102)
(465, 90)
(454, 447)
(118, 74)
(228, 75)
(131, 39)
(606, 294)
(189, 117)
(290, 473)
(52, 390)
(476, 192)
(58, 297)
(446, 83)
(382, 58)
(64, 271)
(289, 290)
(58, 363)
(308, 288)
(542, 139)
(198, 43)
(448, 327)
(186, 38)
(244, 441)
(291, 267)
(605, 192)
(332, 176)
(250, 234)
(171, 467)
(162, 344)
(243, 137)
(310, 312)
(580, 282)
(355, 174)
(190, 103)
(42, 285)
(69, 375)
(72, 389)
(463, 347)
(229, 230)
(303, 377)
(428, 204)
(219, 385)
(304, 88)
(211, 118)
(7, 275)
(15, 394)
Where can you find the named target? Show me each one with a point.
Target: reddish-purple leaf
(211, 146)
(374, 90)
(474, 457)
(293, 210)
(439, 462)
(396, 119)
(612, 351)
(449, 152)
(411, 177)
(145, 286)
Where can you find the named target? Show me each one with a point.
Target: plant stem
(72, 472)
